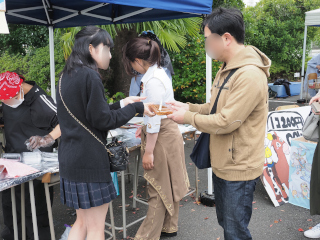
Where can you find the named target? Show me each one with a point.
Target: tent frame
(309, 21)
(48, 8)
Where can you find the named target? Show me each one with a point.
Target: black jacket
(81, 157)
(35, 116)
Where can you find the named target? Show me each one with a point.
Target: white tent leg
(303, 62)
(208, 96)
(52, 68)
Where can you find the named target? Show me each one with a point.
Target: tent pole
(52, 68)
(208, 96)
(303, 78)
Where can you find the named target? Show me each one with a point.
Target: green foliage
(276, 27)
(189, 81)
(116, 97)
(23, 39)
(228, 3)
(172, 33)
(39, 66)
(35, 66)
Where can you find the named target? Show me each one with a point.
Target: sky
(2, 5)
(247, 2)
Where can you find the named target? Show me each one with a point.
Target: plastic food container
(11, 156)
(49, 156)
(31, 158)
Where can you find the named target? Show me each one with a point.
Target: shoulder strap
(214, 108)
(78, 121)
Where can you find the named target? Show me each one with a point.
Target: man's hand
(147, 110)
(138, 132)
(132, 99)
(316, 98)
(178, 114)
(177, 104)
(147, 161)
(318, 66)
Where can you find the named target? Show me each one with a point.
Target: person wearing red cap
(27, 111)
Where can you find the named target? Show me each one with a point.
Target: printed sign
(282, 127)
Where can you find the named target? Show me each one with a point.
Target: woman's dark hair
(80, 55)
(223, 20)
(142, 48)
(20, 75)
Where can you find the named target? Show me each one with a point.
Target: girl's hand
(138, 132)
(147, 110)
(147, 161)
(132, 99)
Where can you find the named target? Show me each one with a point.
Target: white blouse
(157, 87)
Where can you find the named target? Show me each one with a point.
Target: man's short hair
(223, 20)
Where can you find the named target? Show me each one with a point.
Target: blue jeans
(234, 206)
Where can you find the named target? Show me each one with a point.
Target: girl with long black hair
(85, 180)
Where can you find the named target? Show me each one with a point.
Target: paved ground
(198, 221)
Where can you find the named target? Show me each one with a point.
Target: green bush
(35, 66)
(189, 81)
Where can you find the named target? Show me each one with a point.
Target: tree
(189, 81)
(172, 34)
(229, 3)
(23, 38)
(276, 27)
(34, 65)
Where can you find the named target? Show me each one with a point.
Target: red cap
(10, 84)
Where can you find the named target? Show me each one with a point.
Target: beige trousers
(158, 219)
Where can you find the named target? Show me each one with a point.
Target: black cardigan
(81, 157)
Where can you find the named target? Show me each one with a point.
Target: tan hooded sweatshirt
(237, 130)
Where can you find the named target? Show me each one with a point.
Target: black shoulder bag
(201, 153)
(118, 151)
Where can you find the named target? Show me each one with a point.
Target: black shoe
(164, 234)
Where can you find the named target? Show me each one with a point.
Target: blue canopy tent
(72, 13)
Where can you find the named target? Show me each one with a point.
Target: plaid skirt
(86, 195)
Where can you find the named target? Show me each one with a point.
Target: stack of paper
(14, 169)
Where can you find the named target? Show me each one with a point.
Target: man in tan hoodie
(237, 129)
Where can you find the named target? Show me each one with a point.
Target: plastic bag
(66, 233)
(115, 181)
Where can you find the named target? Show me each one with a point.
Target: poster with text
(282, 127)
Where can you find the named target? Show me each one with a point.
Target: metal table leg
(135, 181)
(197, 184)
(113, 230)
(14, 213)
(124, 216)
(33, 211)
(46, 188)
(123, 196)
(23, 212)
